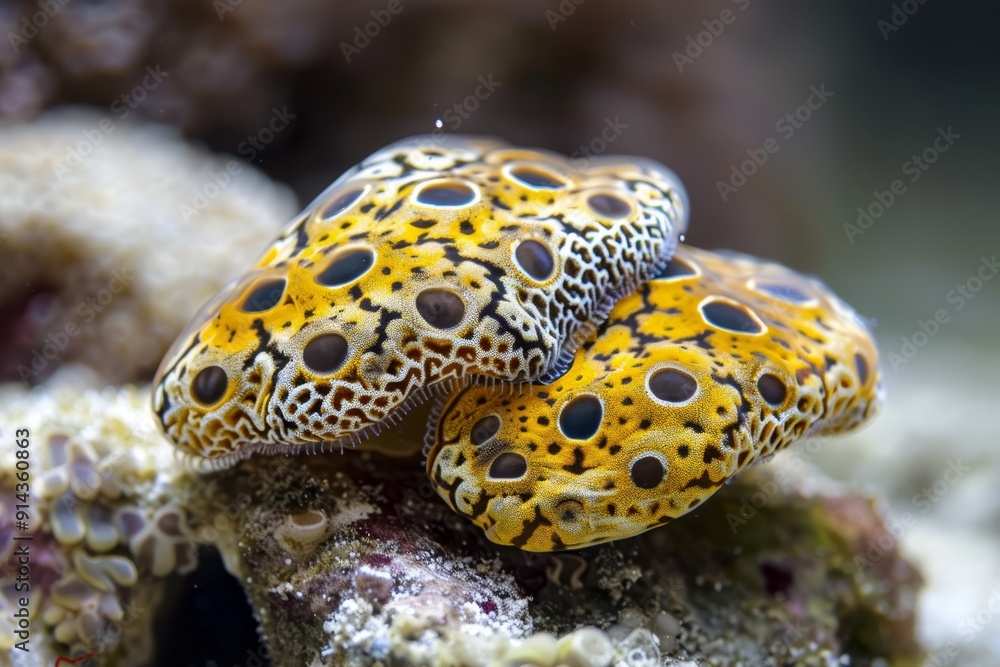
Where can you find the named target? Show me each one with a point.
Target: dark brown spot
(264, 296)
(647, 472)
(209, 385)
(772, 389)
(325, 353)
(347, 266)
(730, 317)
(672, 385)
(862, 365)
(341, 203)
(451, 193)
(484, 429)
(440, 308)
(676, 268)
(534, 259)
(609, 206)
(581, 418)
(536, 178)
(508, 466)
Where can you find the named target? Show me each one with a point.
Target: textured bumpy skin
(716, 364)
(431, 261)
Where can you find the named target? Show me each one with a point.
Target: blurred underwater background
(855, 141)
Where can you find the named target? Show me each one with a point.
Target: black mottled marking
(703, 482)
(577, 467)
(711, 453)
(384, 213)
(498, 203)
(683, 451)
(700, 339)
(529, 528)
(264, 345)
(301, 237)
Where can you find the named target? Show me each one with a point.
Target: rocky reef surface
(348, 560)
(352, 560)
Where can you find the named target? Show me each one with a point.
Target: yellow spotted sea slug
(714, 365)
(433, 262)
